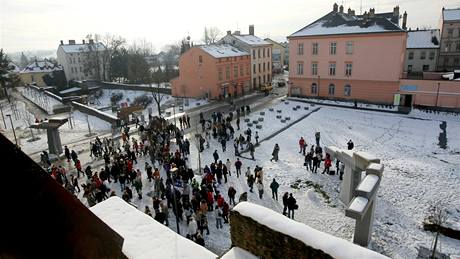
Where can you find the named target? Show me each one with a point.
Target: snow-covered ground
(44, 101)
(418, 172)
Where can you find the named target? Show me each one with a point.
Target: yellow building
(278, 56)
(35, 71)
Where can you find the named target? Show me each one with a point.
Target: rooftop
(223, 50)
(77, 48)
(251, 40)
(425, 39)
(43, 66)
(451, 14)
(337, 23)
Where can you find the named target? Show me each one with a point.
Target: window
(314, 68)
(235, 71)
(300, 49)
(221, 74)
(457, 47)
(260, 70)
(263, 52)
(32, 78)
(241, 70)
(450, 32)
(456, 63)
(411, 55)
(247, 70)
(264, 66)
(409, 68)
(331, 89)
(268, 78)
(264, 79)
(268, 66)
(314, 88)
(227, 72)
(332, 69)
(431, 55)
(426, 67)
(314, 48)
(349, 49)
(200, 59)
(254, 54)
(446, 61)
(78, 59)
(299, 68)
(423, 55)
(268, 52)
(254, 68)
(447, 48)
(348, 69)
(347, 90)
(333, 48)
(258, 53)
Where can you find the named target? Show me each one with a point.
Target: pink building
(215, 71)
(348, 56)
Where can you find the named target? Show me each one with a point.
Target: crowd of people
(167, 179)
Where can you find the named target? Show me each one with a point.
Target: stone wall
(108, 85)
(95, 112)
(268, 243)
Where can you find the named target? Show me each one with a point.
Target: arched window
(347, 90)
(331, 89)
(314, 88)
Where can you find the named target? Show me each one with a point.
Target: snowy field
(44, 101)
(418, 172)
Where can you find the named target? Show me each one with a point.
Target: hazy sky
(41, 24)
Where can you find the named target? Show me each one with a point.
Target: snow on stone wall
(268, 234)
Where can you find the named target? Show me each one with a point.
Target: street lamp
(14, 132)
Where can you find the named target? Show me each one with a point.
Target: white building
(422, 49)
(261, 51)
(82, 61)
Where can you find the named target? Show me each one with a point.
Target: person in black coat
(216, 156)
(292, 205)
(285, 202)
(350, 145)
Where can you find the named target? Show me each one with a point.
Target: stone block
(259, 126)
(305, 108)
(288, 118)
(286, 102)
(278, 116)
(278, 111)
(294, 108)
(262, 113)
(249, 124)
(271, 109)
(255, 122)
(298, 106)
(283, 121)
(260, 119)
(247, 120)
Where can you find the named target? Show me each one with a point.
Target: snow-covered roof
(425, 39)
(223, 50)
(334, 246)
(41, 67)
(77, 48)
(238, 253)
(451, 14)
(143, 236)
(251, 40)
(341, 23)
(13, 67)
(70, 90)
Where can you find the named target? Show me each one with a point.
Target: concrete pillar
(363, 227)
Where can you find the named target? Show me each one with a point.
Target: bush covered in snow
(143, 100)
(116, 97)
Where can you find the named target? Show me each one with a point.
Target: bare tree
(211, 35)
(437, 216)
(142, 47)
(157, 95)
(112, 44)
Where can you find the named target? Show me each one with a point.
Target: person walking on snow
(285, 202)
(215, 156)
(292, 205)
(317, 138)
(257, 138)
(228, 164)
(260, 188)
(327, 163)
(275, 153)
(231, 195)
(301, 144)
(219, 214)
(274, 186)
(238, 165)
(350, 145)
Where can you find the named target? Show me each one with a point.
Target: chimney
(83, 41)
(341, 9)
(71, 42)
(62, 42)
(353, 12)
(229, 32)
(404, 23)
(365, 16)
(396, 11)
(237, 33)
(335, 7)
(91, 41)
(349, 11)
(251, 29)
(371, 13)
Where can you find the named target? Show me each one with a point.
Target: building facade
(260, 50)
(348, 56)
(213, 71)
(449, 53)
(83, 61)
(421, 51)
(34, 72)
(278, 56)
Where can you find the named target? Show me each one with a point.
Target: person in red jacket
(220, 201)
(210, 201)
(225, 211)
(327, 163)
(301, 144)
(78, 166)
